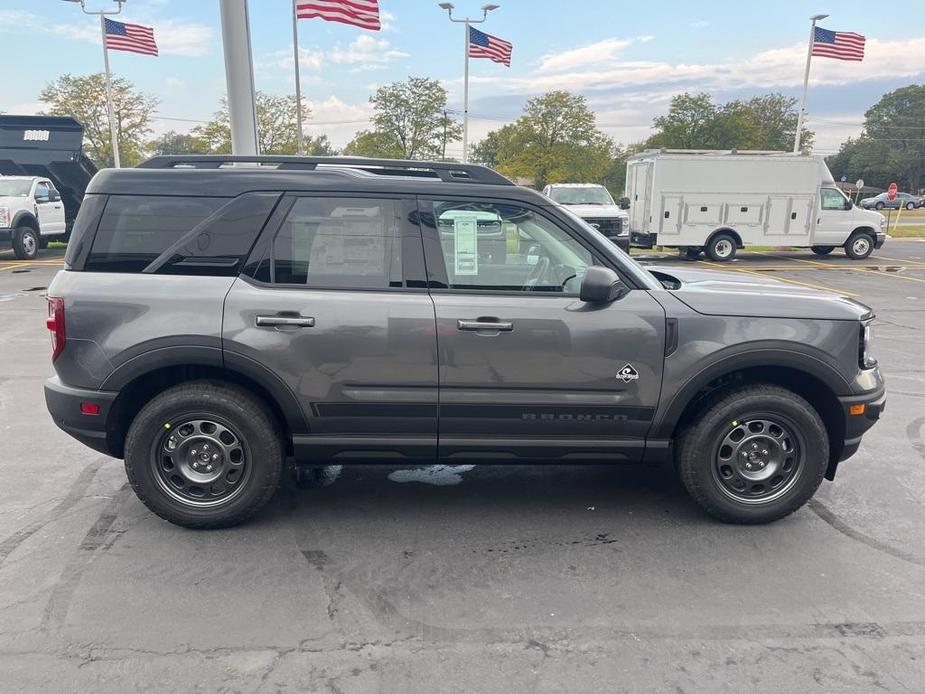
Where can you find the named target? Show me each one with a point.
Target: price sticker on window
(466, 243)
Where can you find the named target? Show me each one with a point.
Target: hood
(597, 211)
(716, 293)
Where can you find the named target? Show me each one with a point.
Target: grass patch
(57, 245)
(908, 231)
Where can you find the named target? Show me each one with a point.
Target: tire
(25, 243)
(711, 466)
(910, 205)
(692, 252)
(246, 441)
(822, 250)
(721, 247)
(859, 246)
(879, 206)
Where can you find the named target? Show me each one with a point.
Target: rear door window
(135, 230)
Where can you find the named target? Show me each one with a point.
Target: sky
(628, 59)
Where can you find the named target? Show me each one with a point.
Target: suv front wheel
(204, 454)
(755, 454)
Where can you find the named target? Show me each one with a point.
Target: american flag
(843, 45)
(482, 45)
(130, 37)
(359, 13)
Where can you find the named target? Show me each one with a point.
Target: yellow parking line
(893, 274)
(782, 279)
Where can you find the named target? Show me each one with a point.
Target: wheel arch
(725, 230)
(864, 230)
(24, 218)
(141, 379)
(817, 382)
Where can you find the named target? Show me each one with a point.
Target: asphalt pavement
(469, 579)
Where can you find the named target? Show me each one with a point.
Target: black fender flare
(25, 218)
(213, 358)
(800, 358)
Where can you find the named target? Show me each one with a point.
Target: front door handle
(285, 321)
(484, 324)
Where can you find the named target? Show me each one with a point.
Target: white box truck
(716, 202)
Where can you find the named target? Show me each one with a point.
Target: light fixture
(489, 8)
(818, 17)
(446, 6)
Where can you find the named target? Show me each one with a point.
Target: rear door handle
(290, 321)
(499, 325)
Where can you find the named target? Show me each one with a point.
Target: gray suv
(215, 320)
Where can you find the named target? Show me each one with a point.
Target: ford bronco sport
(213, 320)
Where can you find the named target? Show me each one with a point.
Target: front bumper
(881, 239)
(856, 425)
(6, 234)
(63, 404)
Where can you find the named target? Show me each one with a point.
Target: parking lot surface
(469, 579)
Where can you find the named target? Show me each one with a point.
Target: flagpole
(298, 87)
(809, 57)
(112, 121)
(465, 155)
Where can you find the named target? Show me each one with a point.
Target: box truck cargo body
(718, 201)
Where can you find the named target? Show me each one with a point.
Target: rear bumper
(63, 404)
(856, 425)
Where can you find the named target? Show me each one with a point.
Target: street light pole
(113, 131)
(809, 57)
(448, 6)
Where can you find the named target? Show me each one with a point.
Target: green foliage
(694, 121)
(409, 122)
(173, 142)
(277, 131)
(892, 145)
(84, 98)
(555, 140)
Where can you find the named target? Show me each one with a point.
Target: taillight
(55, 325)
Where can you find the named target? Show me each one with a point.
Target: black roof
(214, 175)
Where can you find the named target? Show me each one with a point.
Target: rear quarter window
(134, 230)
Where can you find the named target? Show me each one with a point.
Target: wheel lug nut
(215, 456)
(208, 468)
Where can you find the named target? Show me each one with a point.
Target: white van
(719, 201)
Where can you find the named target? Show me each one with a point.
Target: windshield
(15, 188)
(581, 195)
(631, 267)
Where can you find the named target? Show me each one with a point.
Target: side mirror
(601, 285)
(624, 203)
(53, 197)
(848, 204)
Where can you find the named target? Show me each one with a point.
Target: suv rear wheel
(204, 454)
(754, 454)
(25, 243)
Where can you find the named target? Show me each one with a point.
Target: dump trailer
(47, 147)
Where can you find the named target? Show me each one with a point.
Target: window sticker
(465, 243)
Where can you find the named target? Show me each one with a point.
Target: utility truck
(718, 201)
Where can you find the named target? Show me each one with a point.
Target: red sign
(891, 191)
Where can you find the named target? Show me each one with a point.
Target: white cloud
(363, 53)
(173, 37)
(700, 24)
(174, 82)
(604, 51)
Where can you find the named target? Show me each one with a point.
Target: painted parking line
(836, 290)
(865, 269)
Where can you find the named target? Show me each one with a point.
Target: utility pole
(448, 6)
(239, 75)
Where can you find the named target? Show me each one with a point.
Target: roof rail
(445, 171)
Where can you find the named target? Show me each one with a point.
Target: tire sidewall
(261, 443)
(18, 247)
(792, 411)
(849, 246)
(711, 248)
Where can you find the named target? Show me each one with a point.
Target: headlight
(882, 221)
(865, 360)
(4, 216)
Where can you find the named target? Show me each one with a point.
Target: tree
(84, 98)
(277, 131)
(694, 121)
(555, 140)
(173, 142)
(409, 122)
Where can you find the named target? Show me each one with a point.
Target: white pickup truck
(31, 213)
